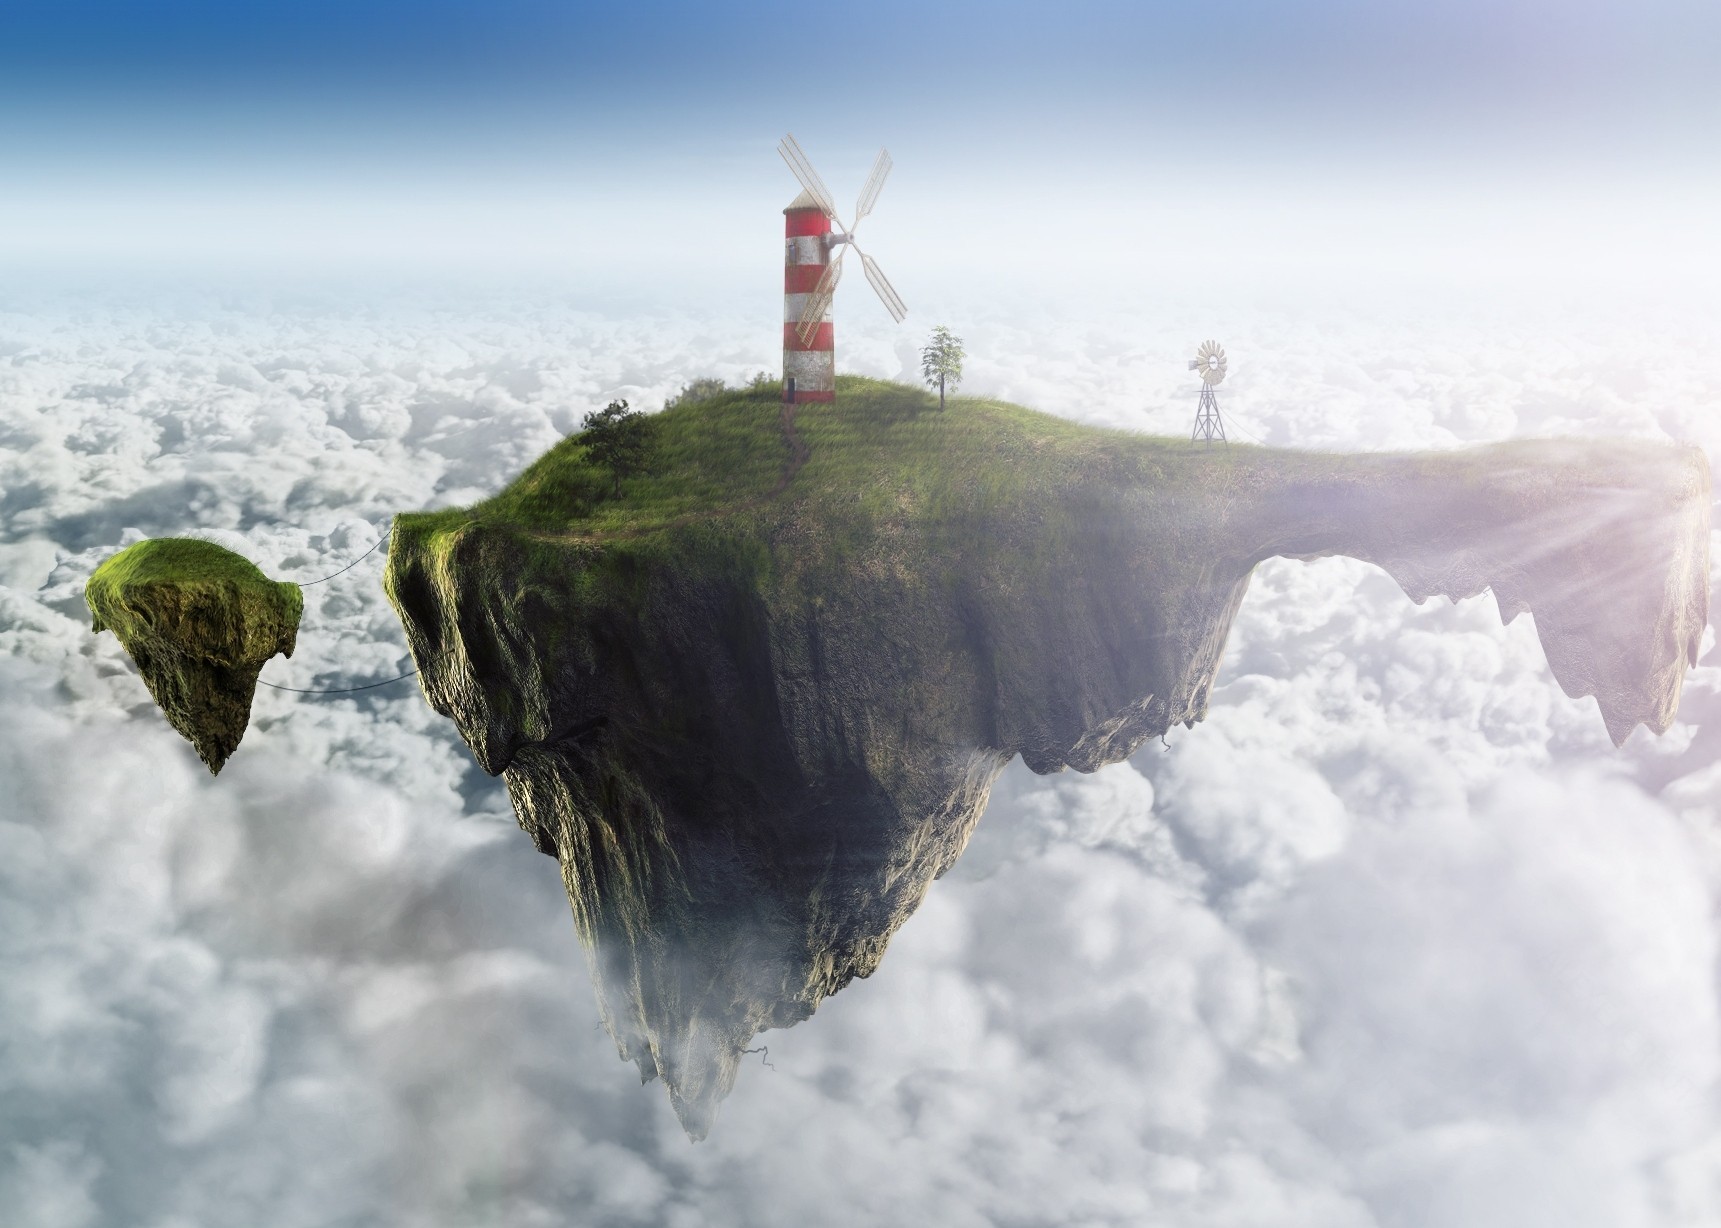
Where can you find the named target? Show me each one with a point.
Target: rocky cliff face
(752, 751)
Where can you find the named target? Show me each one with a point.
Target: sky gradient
(536, 137)
(1394, 939)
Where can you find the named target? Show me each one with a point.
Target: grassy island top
(882, 447)
(739, 465)
(128, 591)
(179, 560)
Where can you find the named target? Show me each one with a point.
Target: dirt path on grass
(798, 453)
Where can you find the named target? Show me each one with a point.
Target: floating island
(754, 704)
(199, 622)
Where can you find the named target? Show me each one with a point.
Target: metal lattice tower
(1210, 361)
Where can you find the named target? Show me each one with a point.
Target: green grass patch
(883, 446)
(118, 593)
(883, 465)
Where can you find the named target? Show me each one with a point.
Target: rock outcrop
(753, 740)
(199, 622)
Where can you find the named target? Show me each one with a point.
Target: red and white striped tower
(809, 370)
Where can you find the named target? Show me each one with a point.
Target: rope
(1232, 420)
(342, 690)
(361, 558)
(338, 690)
(347, 690)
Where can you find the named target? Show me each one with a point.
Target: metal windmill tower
(810, 275)
(1210, 361)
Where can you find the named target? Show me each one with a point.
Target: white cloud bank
(1395, 938)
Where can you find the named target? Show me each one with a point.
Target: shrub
(701, 389)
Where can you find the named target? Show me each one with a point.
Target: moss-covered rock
(199, 621)
(755, 706)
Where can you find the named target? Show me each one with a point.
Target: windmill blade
(819, 301)
(803, 169)
(812, 317)
(874, 185)
(886, 292)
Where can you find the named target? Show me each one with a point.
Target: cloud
(1394, 938)
(1516, 1011)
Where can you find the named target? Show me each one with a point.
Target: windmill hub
(1210, 361)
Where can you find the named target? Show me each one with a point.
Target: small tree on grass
(941, 361)
(618, 439)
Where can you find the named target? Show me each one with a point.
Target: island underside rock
(752, 750)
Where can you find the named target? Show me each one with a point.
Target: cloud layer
(1395, 938)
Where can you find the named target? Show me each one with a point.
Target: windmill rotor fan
(1210, 361)
(819, 301)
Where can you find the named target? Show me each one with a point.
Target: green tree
(941, 361)
(619, 439)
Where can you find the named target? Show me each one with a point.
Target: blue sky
(526, 131)
(706, 68)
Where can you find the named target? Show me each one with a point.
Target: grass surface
(881, 445)
(731, 477)
(213, 589)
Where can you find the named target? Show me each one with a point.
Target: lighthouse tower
(809, 369)
(810, 275)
